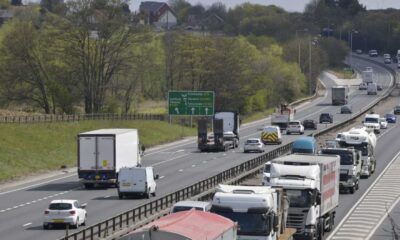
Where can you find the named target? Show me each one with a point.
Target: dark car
(345, 109)
(310, 124)
(390, 118)
(325, 118)
(396, 110)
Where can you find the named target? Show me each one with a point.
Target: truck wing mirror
(156, 177)
(143, 148)
(318, 199)
(276, 223)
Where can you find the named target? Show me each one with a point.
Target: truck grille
(343, 177)
(296, 220)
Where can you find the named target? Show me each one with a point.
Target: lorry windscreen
(363, 148)
(299, 198)
(252, 224)
(346, 158)
(302, 150)
(371, 120)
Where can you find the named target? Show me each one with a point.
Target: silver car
(253, 145)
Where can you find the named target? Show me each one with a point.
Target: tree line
(90, 56)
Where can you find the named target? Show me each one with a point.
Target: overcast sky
(289, 5)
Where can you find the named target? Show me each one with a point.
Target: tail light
(72, 212)
(46, 212)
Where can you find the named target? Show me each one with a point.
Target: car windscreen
(60, 206)
(294, 123)
(371, 120)
(252, 141)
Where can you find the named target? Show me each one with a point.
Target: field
(33, 148)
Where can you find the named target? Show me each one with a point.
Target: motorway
(21, 208)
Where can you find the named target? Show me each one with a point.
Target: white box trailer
(311, 183)
(102, 153)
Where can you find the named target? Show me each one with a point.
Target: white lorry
(372, 123)
(260, 211)
(350, 167)
(102, 153)
(372, 89)
(367, 76)
(283, 117)
(311, 183)
(364, 141)
(340, 95)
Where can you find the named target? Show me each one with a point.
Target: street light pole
(298, 45)
(309, 65)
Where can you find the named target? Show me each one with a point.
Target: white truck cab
(372, 123)
(137, 181)
(258, 210)
(372, 89)
(362, 140)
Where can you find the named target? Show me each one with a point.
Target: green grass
(343, 72)
(257, 116)
(33, 148)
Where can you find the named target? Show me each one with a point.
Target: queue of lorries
(297, 197)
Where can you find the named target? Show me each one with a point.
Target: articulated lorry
(367, 76)
(350, 167)
(225, 132)
(340, 95)
(311, 182)
(102, 153)
(283, 117)
(260, 211)
(364, 141)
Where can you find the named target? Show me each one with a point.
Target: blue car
(390, 118)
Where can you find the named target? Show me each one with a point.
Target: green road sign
(195, 103)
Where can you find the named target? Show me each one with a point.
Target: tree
(16, 2)
(98, 40)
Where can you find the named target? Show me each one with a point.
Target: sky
(288, 5)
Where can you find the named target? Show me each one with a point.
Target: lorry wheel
(120, 195)
(287, 132)
(88, 185)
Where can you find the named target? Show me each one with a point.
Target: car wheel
(245, 151)
(84, 222)
(76, 225)
(287, 132)
(352, 190)
(46, 226)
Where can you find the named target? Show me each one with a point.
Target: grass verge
(343, 72)
(33, 148)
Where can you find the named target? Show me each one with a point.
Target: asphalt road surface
(179, 165)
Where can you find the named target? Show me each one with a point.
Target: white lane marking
(169, 160)
(350, 212)
(180, 170)
(204, 161)
(37, 200)
(181, 150)
(26, 224)
(161, 177)
(106, 196)
(193, 165)
(38, 184)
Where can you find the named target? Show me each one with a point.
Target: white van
(271, 134)
(187, 205)
(136, 181)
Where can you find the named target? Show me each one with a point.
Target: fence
(80, 117)
(145, 213)
(134, 216)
